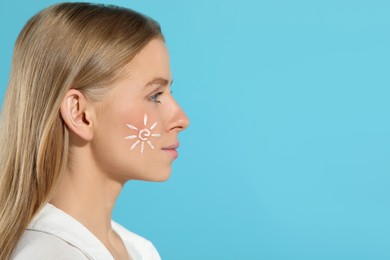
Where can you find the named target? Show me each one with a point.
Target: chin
(161, 176)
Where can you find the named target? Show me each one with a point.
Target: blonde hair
(69, 45)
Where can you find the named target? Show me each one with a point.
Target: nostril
(179, 121)
(182, 125)
(186, 123)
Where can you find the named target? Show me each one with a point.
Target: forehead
(149, 65)
(151, 62)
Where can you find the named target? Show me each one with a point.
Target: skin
(100, 159)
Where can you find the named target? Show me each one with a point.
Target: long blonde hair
(70, 45)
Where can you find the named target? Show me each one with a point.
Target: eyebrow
(159, 81)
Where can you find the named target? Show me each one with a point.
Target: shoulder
(36, 245)
(143, 246)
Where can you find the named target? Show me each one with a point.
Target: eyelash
(154, 97)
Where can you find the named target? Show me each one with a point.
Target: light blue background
(287, 155)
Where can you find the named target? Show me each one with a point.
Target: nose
(179, 120)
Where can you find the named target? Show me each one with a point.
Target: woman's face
(138, 122)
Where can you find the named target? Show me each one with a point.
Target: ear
(77, 115)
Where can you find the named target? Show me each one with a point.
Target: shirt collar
(54, 221)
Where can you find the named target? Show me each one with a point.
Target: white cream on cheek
(143, 135)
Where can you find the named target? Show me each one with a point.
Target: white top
(53, 234)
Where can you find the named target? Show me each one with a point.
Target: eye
(154, 97)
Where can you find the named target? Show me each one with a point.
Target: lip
(171, 150)
(171, 147)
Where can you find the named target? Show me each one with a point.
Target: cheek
(143, 134)
(128, 143)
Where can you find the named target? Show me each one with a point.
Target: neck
(88, 195)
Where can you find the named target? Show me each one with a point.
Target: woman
(88, 107)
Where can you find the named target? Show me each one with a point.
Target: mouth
(171, 150)
(171, 147)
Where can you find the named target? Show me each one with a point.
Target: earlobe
(76, 115)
